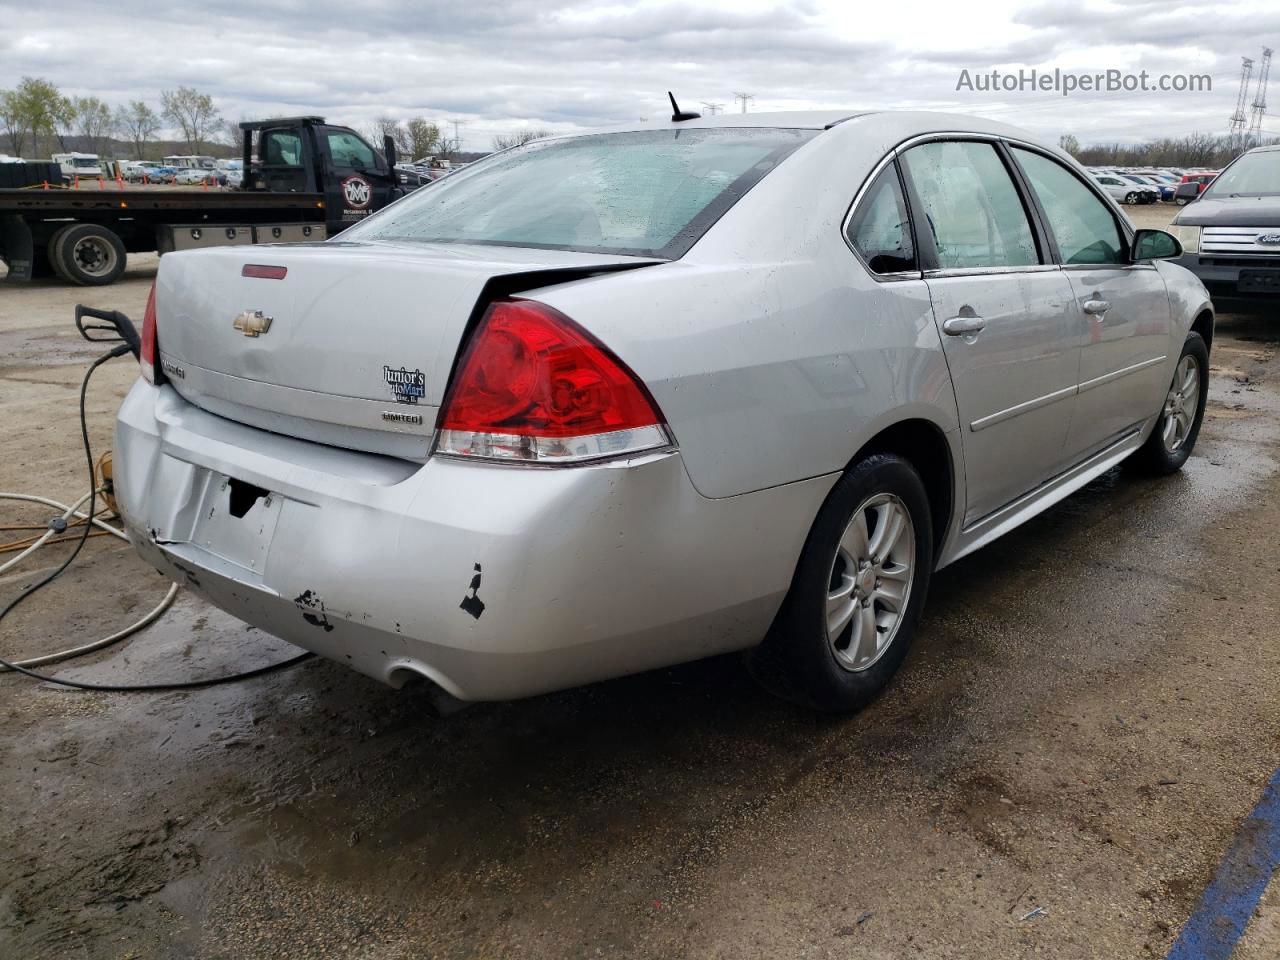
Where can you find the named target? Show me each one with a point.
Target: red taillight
(149, 355)
(534, 386)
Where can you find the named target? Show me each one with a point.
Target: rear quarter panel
(771, 350)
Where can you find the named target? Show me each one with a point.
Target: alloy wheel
(1181, 405)
(870, 583)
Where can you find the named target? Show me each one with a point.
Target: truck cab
(307, 155)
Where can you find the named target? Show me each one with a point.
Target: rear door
(1124, 307)
(285, 160)
(1009, 325)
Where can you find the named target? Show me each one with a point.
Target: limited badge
(407, 386)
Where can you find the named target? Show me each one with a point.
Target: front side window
(880, 230)
(1081, 223)
(349, 151)
(647, 193)
(971, 205)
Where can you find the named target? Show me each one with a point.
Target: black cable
(84, 535)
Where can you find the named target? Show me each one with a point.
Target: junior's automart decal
(356, 192)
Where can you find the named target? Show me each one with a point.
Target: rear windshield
(1253, 175)
(650, 193)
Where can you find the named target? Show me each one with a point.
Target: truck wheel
(52, 250)
(88, 254)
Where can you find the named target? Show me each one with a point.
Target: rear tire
(88, 254)
(857, 592)
(52, 250)
(1178, 423)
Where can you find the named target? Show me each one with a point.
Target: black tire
(52, 250)
(1155, 456)
(89, 254)
(796, 661)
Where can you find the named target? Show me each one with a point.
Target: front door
(1124, 309)
(357, 179)
(1008, 320)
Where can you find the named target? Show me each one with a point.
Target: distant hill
(113, 148)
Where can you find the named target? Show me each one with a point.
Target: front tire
(857, 593)
(1178, 424)
(88, 254)
(1131, 198)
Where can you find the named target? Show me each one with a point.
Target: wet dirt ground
(1091, 707)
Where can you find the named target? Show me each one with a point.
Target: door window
(880, 230)
(1081, 223)
(282, 148)
(349, 151)
(971, 205)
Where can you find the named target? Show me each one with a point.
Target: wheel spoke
(890, 522)
(839, 612)
(855, 539)
(1190, 377)
(866, 642)
(891, 593)
(1170, 428)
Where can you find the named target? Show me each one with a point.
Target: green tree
(192, 112)
(40, 109)
(13, 121)
(423, 138)
(139, 123)
(1069, 143)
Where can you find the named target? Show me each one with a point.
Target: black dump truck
(310, 180)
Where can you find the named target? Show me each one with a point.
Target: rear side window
(648, 193)
(1084, 228)
(880, 230)
(971, 206)
(282, 148)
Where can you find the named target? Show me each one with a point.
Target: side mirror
(389, 152)
(1154, 245)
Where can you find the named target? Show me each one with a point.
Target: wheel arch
(1203, 325)
(924, 445)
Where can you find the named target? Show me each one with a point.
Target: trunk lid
(353, 345)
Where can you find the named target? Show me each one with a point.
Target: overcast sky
(570, 64)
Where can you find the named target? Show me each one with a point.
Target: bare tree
(192, 111)
(519, 138)
(93, 122)
(1069, 143)
(139, 123)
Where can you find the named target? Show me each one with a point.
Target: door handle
(960, 326)
(1096, 308)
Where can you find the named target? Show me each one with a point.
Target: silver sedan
(608, 402)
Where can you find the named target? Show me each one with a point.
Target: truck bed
(111, 200)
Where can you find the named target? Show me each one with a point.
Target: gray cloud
(577, 64)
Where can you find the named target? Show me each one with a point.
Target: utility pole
(1260, 101)
(712, 107)
(743, 98)
(457, 139)
(1235, 132)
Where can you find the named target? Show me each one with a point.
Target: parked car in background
(1192, 185)
(1231, 234)
(685, 388)
(1165, 191)
(191, 175)
(1126, 191)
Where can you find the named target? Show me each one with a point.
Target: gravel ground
(1092, 706)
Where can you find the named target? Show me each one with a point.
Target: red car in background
(1192, 185)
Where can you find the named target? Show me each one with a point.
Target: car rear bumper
(1235, 278)
(583, 573)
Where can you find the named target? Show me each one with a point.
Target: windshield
(1254, 175)
(85, 162)
(649, 193)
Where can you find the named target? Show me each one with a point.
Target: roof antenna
(677, 114)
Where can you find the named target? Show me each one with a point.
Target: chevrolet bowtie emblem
(252, 323)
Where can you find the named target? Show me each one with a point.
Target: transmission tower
(1239, 119)
(743, 98)
(712, 107)
(1260, 101)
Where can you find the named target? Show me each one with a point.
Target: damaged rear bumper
(492, 581)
